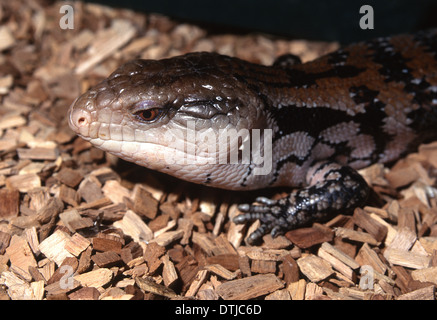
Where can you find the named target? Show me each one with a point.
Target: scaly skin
(370, 102)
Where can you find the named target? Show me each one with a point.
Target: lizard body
(317, 122)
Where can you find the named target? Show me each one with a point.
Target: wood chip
(10, 201)
(340, 255)
(69, 195)
(263, 266)
(104, 174)
(6, 38)
(106, 259)
(132, 225)
(279, 295)
(297, 289)
(425, 275)
(4, 241)
(38, 153)
(336, 263)
(145, 205)
(103, 244)
(221, 271)
(378, 211)
(11, 121)
(187, 268)
(70, 177)
(273, 255)
(77, 244)
(407, 259)
(290, 269)
(403, 240)
(74, 221)
(308, 237)
(97, 204)
(50, 211)
(429, 243)
(114, 191)
(315, 268)
(402, 176)
(406, 219)
(62, 272)
(244, 264)
(313, 291)
(85, 260)
(204, 242)
(149, 285)
(20, 254)
(48, 269)
(197, 283)
(18, 289)
(229, 261)
(250, 287)
(32, 240)
(53, 247)
(90, 189)
(169, 273)
(170, 225)
(86, 293)
(367, 256)
(120, 32)
(356, 236)
(372, 226)
(38, 289)
(427, 293)
(96, 278)
(168, 237)
(152, 255)
(353, 293)
(24, 182)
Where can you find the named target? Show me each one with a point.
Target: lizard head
(175, 116)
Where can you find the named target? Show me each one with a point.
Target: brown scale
(422, 61)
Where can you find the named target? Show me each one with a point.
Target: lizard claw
(269, 212)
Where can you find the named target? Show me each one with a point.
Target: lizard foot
(272, 215)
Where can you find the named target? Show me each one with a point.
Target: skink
(309, 126)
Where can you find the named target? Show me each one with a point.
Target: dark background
(330, 20)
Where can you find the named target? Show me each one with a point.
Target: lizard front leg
(332, 189)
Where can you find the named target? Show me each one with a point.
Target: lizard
(317, 122)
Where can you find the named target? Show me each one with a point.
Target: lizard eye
(148, 115)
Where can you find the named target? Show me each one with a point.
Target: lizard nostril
(79, 118)
(82, 121)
